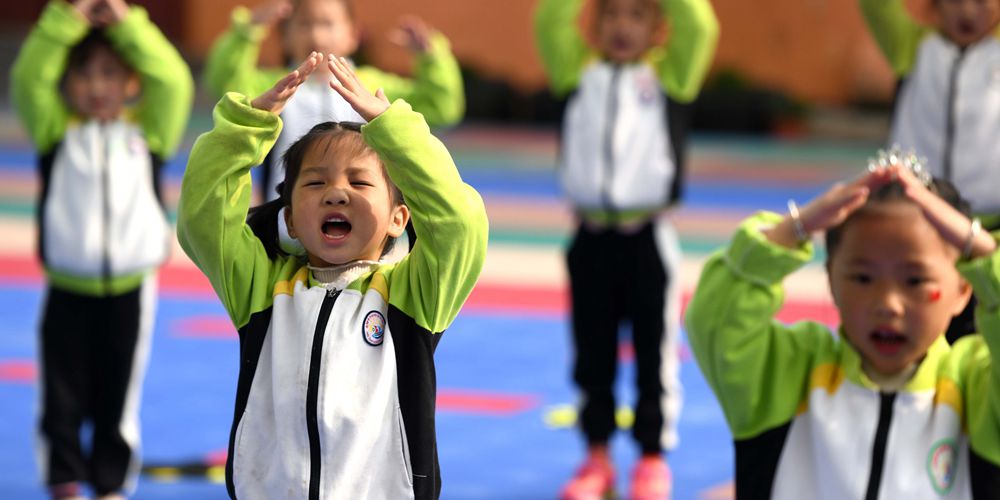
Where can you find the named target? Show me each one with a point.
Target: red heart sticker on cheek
(934, 295)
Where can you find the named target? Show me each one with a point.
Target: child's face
(342, 208)
(100, 87)
(968, 21)
(625, 29)
(894, 282)
(324, 26)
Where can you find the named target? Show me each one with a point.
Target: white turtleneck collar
(339, 276)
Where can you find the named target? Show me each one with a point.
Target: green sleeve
(38, 69)
(436, 89)
(433, 281)
(215, 199)
(758, 368)
(563, 50)
(981, 388)
(167, 85)
(897, 34)
(683, 63)
(231, 65)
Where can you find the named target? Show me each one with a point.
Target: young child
(621, 165)
(102, 227)
(886, 408)
(336, 389)
(329, 26)
(947, 107)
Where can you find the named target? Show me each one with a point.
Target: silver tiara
(910, 160)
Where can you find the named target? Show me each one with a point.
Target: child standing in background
(621, 165)
(102, 228)
(329, 27)
(948, 104)
(885, 408)
(336, 390)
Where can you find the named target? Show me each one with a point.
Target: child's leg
(596, 315)
(653, 267)
(120, 350)
(65, 371)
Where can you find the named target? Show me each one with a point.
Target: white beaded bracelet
(797, 226)
(974, 229)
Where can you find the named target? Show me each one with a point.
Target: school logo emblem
(373, 328)
(942, 462)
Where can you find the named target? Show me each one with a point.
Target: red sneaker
(651, 479)
(594, 480)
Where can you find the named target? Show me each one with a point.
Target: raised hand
(109, 12)
(346, 84)
(953, 226)
(276, 97)
(86, 8)
(269, 13)
(829, 209)
(412, 34)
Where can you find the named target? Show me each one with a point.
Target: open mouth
(887, 340)
(336, 228)
(966, 27)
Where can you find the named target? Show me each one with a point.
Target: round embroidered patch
(374, 328)
(941, 464)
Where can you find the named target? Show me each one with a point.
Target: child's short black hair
(894, 191)
(263, 219)
(96, 40)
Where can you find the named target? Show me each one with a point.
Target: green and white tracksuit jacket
(336, 390)
(948, 104)
(622, 148)
(102, 226)
(806, 420)
(436, 90)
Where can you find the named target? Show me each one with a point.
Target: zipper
(312, 392)
(886, 404)
(949, 138)
(105, 147)
(609, 153)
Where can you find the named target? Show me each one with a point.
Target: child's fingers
(350, 79)
(308, 66)
(380, 94)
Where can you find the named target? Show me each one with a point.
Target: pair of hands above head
(411, 33)
(838, 203)
(102, 13)
(345, 83)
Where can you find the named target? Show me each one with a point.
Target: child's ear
(964, 295)
(288, 222)
(398, 218)
(132, 87)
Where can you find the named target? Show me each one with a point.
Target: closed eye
(916, 280)
(860, 278)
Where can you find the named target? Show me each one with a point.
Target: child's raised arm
(759, 368)
(897, 33)
(39, 67)
(433, 281)
(975, 356)
(563, 49)
(436, 89)
(685, 61)
(216, 192)
(167, 85)
(231, 65)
